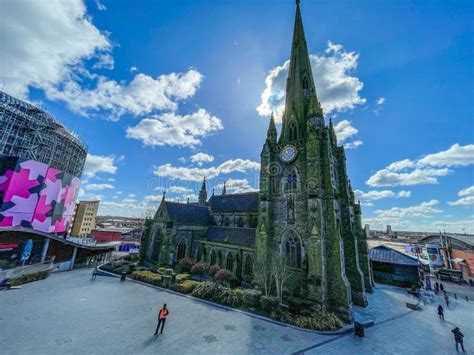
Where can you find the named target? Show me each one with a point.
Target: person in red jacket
(162, 319)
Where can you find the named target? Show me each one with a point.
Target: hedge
(187, 286)
(148, 277)
(23, 279)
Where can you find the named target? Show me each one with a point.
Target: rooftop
(243, 202)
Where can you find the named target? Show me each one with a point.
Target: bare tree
(263, 275)
(280, 273)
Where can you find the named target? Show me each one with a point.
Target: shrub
(298, 305)
(234, 282)
(188, 286)
(131, 268)
(269, 303)
(199, 268)
(182, 277)
(161, 270)
(186, 264)
(251, 298)
(223, 276)
(23, 279)
(214, 292)
(147, 276)
(213, 269)
(320, 320)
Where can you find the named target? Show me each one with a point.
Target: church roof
(388, 255)
(231, 235)
(244, 202)
(188, 214)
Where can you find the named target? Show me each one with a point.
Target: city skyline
(188, 93)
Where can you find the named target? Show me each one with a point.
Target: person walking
(441, 312)
(441, 287)
(436, 288)
(446, 299)
(458, 338)
(162, 319)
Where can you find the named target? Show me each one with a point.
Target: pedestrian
(441, 312)
(458, 338)
(436, 288)
(162, 319)
(441, 287)
(446, 299)
(94, 273)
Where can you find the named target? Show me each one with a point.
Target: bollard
(359, 329)
(123, 277)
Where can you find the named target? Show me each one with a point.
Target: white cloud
(98, 187)
(96, 164)
(175, 130)
(236, 186)
(100, 6)
(344, 130)
(352, 145)
(201, 158)
(424, 209)
(132, 195)
(425, 170)
(45, 42)
(337, 88)
(179, 189)
(375, 195)
(456, 155)
(421, 225)
(142, 95)
(104, 61)
(153, 198)
(380, 101)
(127, 209)
(197, 174)
(128, 200)
(133, 68)
(467, 197)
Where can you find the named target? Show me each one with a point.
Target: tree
(280, 273)
(223, 276)
(263, 276)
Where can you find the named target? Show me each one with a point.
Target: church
(304, 210)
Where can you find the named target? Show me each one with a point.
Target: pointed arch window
(292, 132)
(229, 264)
(305, 83)
(248, 266)
(227, 221)
(293, 250)
(181, 250)
(291, 183)
(240, 222)
(213, 258)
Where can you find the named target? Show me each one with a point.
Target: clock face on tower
(288, 153)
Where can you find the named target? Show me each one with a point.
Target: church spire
(224, 190)
(301, 100)
(203, 193)
(272, 131)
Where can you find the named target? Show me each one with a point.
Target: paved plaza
(69, 313)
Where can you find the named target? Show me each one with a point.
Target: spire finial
(224, 189)
(297, 2)
(164, 195)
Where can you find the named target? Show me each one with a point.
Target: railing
(27, 269)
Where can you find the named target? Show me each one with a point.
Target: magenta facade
(34, 195)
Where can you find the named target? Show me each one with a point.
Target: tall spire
(301, 100)
(203, 193)
(272, 132)
(224, 190)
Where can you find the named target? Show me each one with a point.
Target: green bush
(187, 286)
(217, 293)
(185, 264)
(199, 268)
(223, 276)
(131, 268)
(298, 305)
(147, 276)
(269, 303)
(320, 320)
(23, 279)
(182, 277)
(251, 298)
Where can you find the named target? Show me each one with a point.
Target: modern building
(456, 252)
(393, 267)
(41, 164)
(84, 218)
(29, 132)
(304, 211)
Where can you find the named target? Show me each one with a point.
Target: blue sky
(165, 92)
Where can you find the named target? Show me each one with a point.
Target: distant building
(389, 266)
(84, 218)
(102, 235)
(457, 252)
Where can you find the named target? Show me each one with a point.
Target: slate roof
(391, 256)
(232, 235)
(244, 202)
(183, 213)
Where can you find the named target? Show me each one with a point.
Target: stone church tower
(307, 211)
